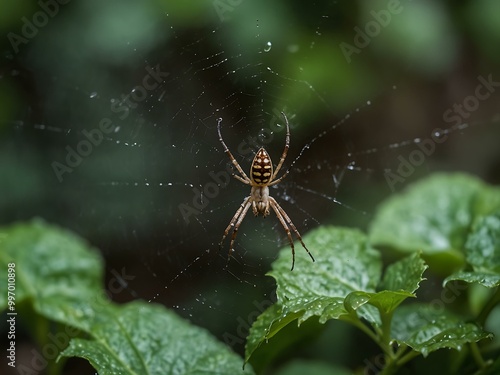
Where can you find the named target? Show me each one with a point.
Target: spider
(261, 177)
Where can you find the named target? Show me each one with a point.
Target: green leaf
(486, 279)
(261, 328)
(385, 301)
(425, 329)
(482, 248)
(488, 201)
(61, 277)
(141, 338)
(56, 271)
(433, 215)
(482, 251)
(400, 281)
(404, 275)
(345, 263)
(288, 335)
(340, 285)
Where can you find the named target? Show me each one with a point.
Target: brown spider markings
(262, 168)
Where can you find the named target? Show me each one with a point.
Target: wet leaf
(404, 275)
(482, 251)
(261, 328)
(141, 338)
(400, 281)
(433, 216)
(345, 263)
(61, 277)
(486, 279)
(340, 285)
(56, 271)
(426, 329)
(482, 248)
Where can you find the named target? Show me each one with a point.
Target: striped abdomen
(261, 170)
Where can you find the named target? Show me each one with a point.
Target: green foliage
(455, 216)
(56, 272)
(482, 251)
(452, 216)
(141, 338)
(432, 216)
(60, 277)
(425, 329)
(341, 283)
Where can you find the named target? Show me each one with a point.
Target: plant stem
(457, 360)
(42, 330)
(382, 337)
(476, 354)
(490, 305)
(391, 366)
(408, 356)
(386, 330)
(358, 323)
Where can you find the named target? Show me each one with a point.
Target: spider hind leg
(286, 222)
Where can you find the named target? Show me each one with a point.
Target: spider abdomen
(261, 170)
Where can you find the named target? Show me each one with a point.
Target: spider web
(154, 194)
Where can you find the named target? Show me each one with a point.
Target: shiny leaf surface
(433, 216)
(55, 270)
(426, 329)
(141, 338)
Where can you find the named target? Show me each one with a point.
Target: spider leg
(254, 208)
(238, 223)
(244, 177)
(241, 179)
(233, 220)
(274, 182)
(235, 223)
(282, 216)
(287, 230)
(285, 152)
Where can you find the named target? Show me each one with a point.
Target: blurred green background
(85, 61)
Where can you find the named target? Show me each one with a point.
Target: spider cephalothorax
(262, 176)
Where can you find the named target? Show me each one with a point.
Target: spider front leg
(254, 208)
(260, 207)
(243, 178)
(235, 224)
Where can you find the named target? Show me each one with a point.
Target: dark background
(245, 62)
